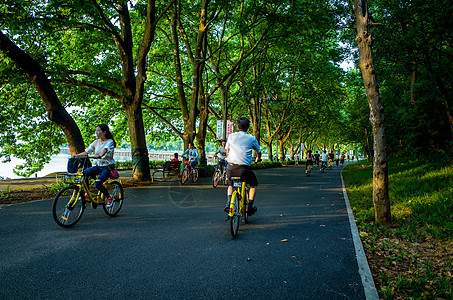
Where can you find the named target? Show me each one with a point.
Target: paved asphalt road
(171, 242)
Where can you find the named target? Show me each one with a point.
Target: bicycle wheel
(68, 206)
(115, 188)
(235, 219)
(194, 175)
(225, 178)
(184, 176)
(215, 178)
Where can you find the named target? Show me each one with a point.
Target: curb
(362, 262)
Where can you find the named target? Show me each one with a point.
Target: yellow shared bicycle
(238, 205)
(70, 202)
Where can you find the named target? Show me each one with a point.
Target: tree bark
(133, 85)
(380, 169)
(55, 110)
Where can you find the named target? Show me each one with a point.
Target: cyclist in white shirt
(103, 149)
(324, 157)
(240, 146)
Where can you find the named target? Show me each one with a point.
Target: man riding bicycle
(222, 155)
(331, 158)
(316, 159)
(240, 146)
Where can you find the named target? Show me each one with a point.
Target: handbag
(73, 164)
(114, 174)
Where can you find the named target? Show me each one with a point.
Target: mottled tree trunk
(380, 170)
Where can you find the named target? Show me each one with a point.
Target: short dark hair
(243, 124)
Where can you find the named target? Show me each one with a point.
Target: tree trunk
(55, 111)
(139, 151)
(380, 169)
(133, 84)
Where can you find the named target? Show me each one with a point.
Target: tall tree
(380, 168)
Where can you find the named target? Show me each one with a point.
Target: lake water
(58, 163)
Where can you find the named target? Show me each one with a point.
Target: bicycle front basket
(73, 164)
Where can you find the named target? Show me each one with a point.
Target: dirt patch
(27, 195)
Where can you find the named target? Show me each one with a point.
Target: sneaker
(109, 201)
(252, 210)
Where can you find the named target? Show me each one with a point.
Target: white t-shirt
(324, 156)
(240, 146)
(97, 147)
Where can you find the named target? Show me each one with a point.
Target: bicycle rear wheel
(68, 206)
(184, 176)
(215, 178)
(115, 188)
(194, 175)
(235, 219)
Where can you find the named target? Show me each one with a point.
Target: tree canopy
(167, 71)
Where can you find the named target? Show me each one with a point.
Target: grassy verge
(413, 259)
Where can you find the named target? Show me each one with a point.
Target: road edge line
(362, 262)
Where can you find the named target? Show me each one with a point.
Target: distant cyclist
(309, 161)
(240, 146)
(324, 157)
(193, 155)
(316, 155)
(222, 155)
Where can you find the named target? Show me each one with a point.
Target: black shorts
(243, 171)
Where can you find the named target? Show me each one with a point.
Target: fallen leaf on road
(284, 240)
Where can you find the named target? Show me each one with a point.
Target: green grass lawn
(413, 259)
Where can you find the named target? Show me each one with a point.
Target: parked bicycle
(238, 205)
(219, 173)
(70, 202)
(188, 172)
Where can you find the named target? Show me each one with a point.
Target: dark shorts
(243, 171)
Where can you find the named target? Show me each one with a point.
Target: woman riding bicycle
(103, 149)
(193, 155)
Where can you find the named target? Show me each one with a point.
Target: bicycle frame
(84, 185)
(240, 188)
